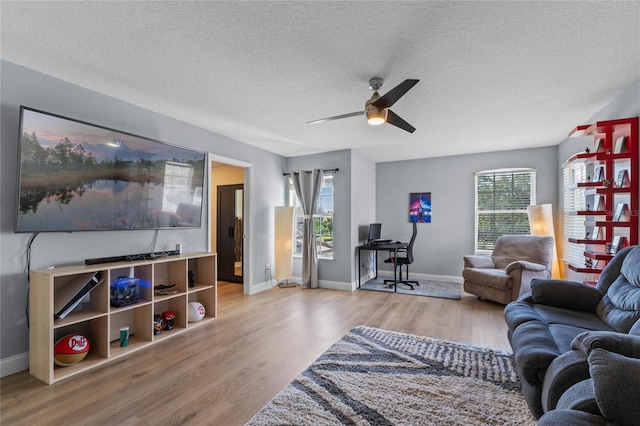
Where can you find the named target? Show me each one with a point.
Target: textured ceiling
(493, 75)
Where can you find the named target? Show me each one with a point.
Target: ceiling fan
(377, 107)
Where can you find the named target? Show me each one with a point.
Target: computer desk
(394, 247)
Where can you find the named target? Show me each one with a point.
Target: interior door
(230, 232)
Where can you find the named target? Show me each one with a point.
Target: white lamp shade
(541, 224)
(283, 237)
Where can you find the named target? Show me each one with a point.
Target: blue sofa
(542, 325)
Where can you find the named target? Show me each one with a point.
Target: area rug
(445, 290)
(379, 377)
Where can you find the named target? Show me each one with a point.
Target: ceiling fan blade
(393, 118)
(394, 94)
(336, 117)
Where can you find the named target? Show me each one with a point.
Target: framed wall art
(420, 207)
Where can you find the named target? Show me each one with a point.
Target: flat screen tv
(77, 176)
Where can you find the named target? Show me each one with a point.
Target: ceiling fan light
(376, 116)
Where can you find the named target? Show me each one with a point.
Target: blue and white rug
(445, 290)
(380, 377)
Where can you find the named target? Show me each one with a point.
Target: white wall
(21, 86)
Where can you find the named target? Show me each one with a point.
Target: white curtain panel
(307, 185)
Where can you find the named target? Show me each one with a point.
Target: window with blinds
(573, 200)
(322, 219)
(502, 197)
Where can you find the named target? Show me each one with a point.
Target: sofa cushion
(496, 278)
(569, 317)
(565, 294)
(614, 267)
(478, 261)
(619, 343)
(624, 295)
(580, 396)
(630, 267)
(564, 334)
(620, 307)
(616, 384)
(571, 417)
(509, 248)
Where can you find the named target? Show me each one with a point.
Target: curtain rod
(336, 170)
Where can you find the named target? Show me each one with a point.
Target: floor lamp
(541, 224)
(283, 248)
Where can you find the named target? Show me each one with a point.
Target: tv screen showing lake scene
(76, 176)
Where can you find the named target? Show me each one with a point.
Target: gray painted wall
(626, 104)
(21, 86)
(441, 244)
(336, 270)
(363, 206)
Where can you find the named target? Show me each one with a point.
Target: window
(502, 197)
(573, 200)
(322, 219)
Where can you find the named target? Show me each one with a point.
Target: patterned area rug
(380, 377)
(445, 290)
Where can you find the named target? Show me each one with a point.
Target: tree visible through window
(322, 219)
(502, 197)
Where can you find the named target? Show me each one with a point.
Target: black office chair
(406, 259)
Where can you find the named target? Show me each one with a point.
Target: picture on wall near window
(420, 207)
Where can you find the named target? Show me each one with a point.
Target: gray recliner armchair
(507, 272)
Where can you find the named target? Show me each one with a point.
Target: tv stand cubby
(195, 277)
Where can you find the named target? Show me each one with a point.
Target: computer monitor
(374, 231)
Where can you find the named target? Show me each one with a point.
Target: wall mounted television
(77, 176)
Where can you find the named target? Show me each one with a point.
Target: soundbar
(131, 257)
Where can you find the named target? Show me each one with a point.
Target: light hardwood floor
(224, 373)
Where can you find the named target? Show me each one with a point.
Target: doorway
(230, 231)
(225, 171)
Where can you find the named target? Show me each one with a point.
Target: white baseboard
(417, 275)
(440, 278)
(14, 364)
(336, 285)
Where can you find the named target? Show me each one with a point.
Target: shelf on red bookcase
(614, 190)
(615, 224)
(582, 156)
(591, 213)
(579, 130)
(589, 184)
(587, 241)
(584, 269)
(598, 255)
(608, 125)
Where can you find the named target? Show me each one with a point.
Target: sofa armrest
(565, 294)
(611, 341)
(478, 261)
(534, 349)
(563, 372)
(523, 264)
(571, 417)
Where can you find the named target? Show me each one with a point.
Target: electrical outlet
(267, 267)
